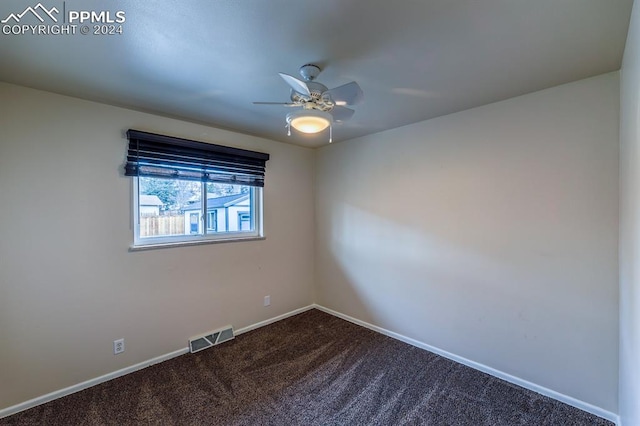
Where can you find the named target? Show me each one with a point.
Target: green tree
(222, 189)
(163, 188)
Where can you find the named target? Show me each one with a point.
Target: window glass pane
(174, 210)
(169, 207)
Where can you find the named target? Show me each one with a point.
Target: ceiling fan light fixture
(309, 120)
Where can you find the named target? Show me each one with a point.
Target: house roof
(205, 61)
(149, 200)
(214, 202)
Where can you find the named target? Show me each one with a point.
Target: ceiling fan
(320, 106)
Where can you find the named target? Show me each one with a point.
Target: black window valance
(161, 156)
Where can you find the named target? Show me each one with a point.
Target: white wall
(630, 226)
(68, 284)
(490, 233)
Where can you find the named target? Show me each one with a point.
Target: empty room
(346, 212)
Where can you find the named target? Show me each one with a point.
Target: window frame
(256, 201)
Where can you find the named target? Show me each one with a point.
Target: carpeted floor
(310, 369)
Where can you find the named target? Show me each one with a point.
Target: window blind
(161, 156)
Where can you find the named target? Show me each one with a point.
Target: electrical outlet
(118, 346)
(267, 300)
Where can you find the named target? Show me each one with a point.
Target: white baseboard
(89, 383)
(585, 406)
(272, 320)
(110, 376)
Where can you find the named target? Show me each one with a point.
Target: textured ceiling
(208, 60)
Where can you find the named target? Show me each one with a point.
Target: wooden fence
(151, 226)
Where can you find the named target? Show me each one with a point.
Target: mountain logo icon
(34, 11)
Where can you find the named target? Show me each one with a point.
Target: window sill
(193, 243)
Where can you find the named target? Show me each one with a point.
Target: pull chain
(330, 133)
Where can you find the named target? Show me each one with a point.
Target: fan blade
(347, 94)
(288, 104)
(297, 85)
(341, 113)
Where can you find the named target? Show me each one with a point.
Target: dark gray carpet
(310, 369)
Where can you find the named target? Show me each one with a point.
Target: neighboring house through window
(224, 213)
(149, 205)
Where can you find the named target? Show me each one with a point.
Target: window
(194, 223)
(244, 220)
(183, 212)
(193, 192)
(212, 220)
